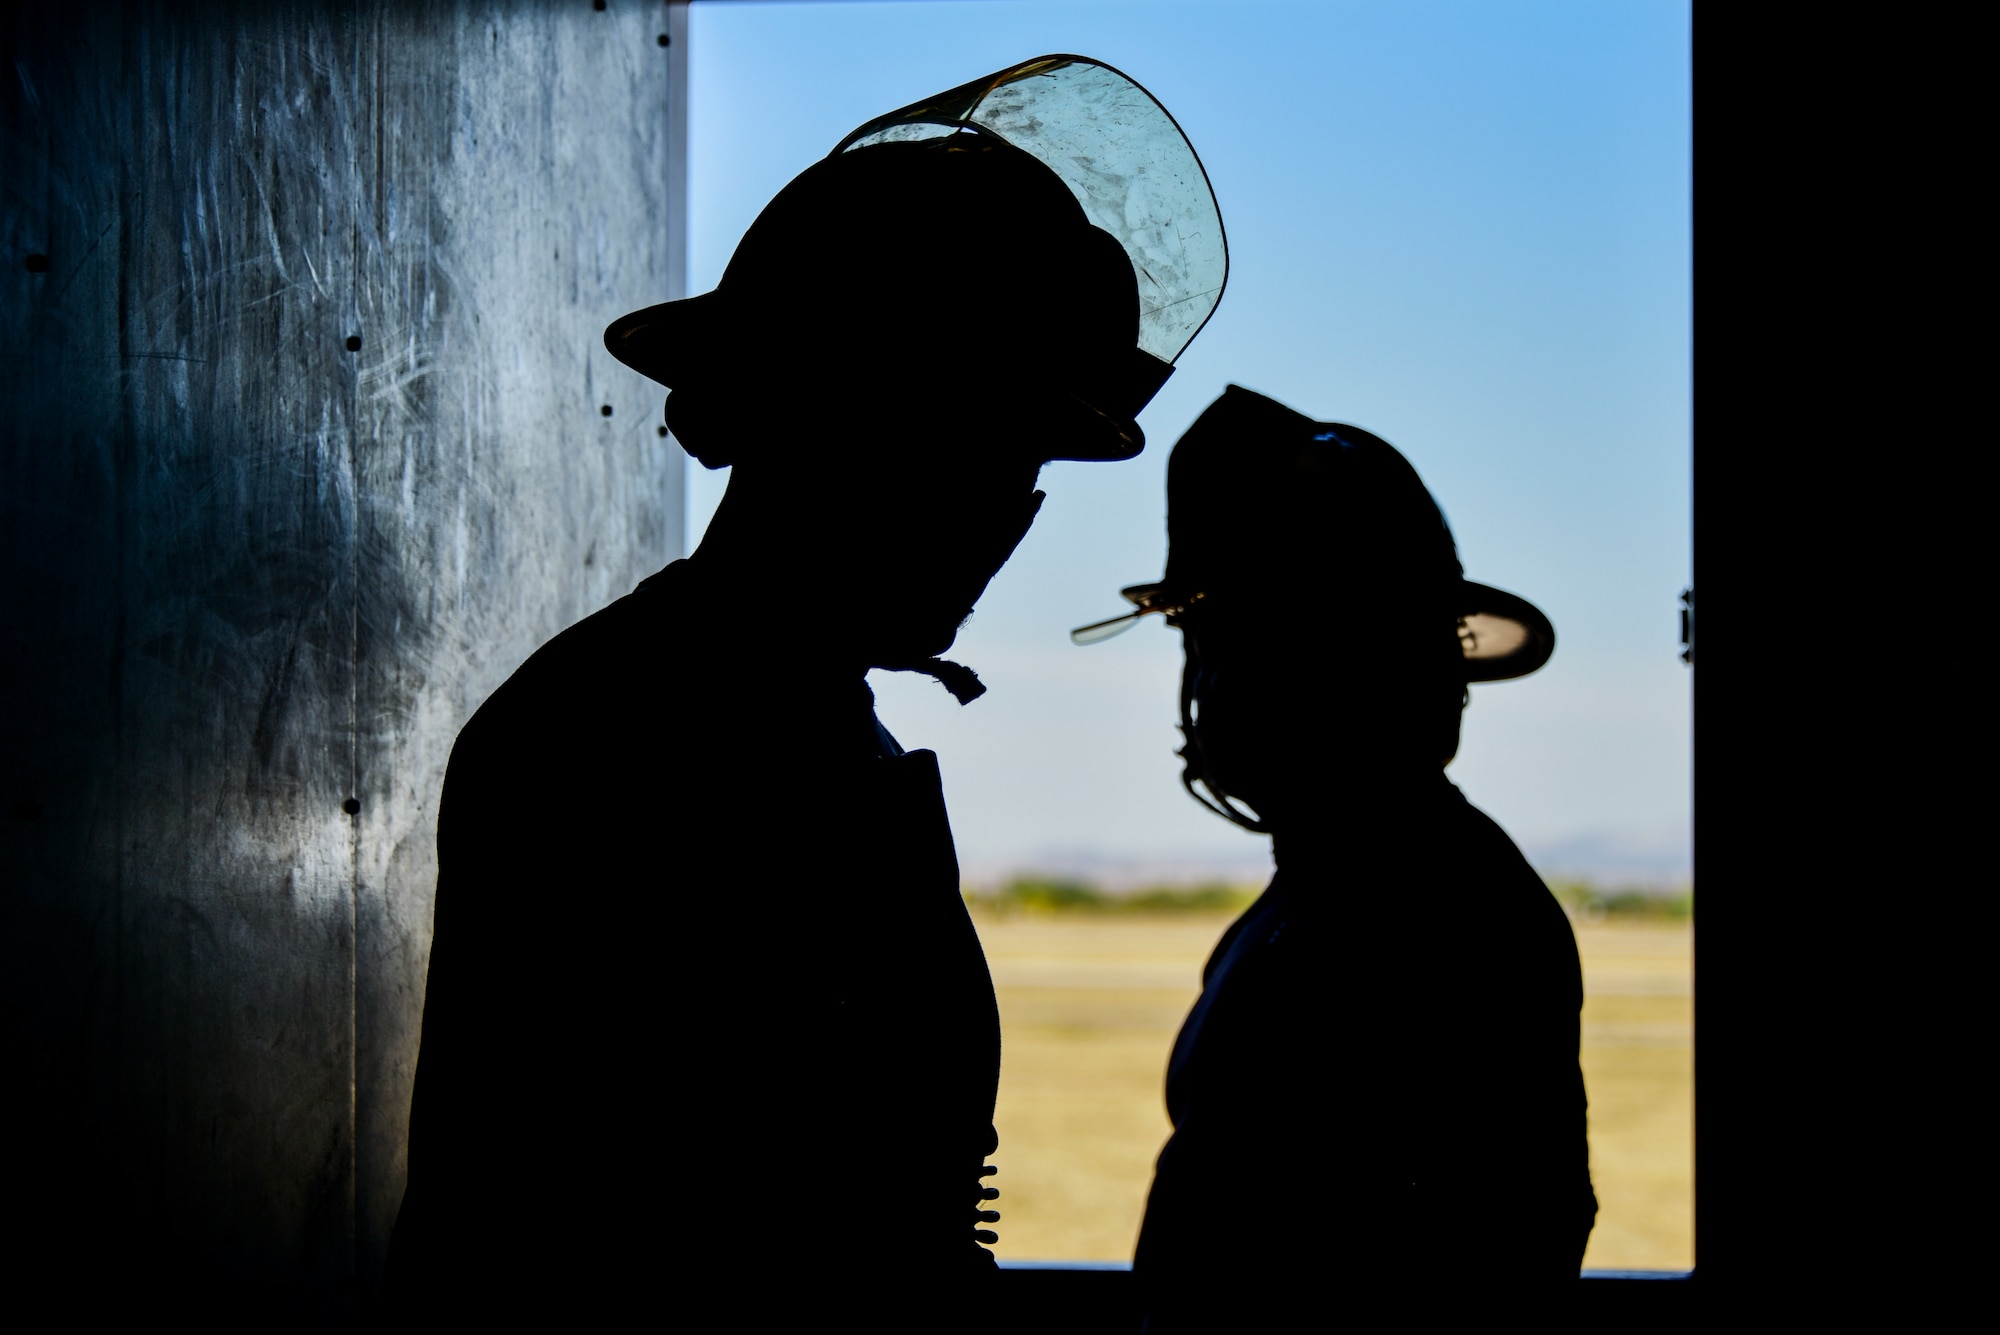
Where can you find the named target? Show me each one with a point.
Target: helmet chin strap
(960, 680)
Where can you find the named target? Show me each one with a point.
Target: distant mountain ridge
(1659, 861)
(1662, 860)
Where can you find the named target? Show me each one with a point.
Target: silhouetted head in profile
(912, 328)
(1330, 633)
(902, 339)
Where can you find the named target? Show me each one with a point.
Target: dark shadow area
(1103, 1299)
(301, 454)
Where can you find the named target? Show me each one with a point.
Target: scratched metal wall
(256, 574)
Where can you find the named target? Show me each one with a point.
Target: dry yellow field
(1089, 1006)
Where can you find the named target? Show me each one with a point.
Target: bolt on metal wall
(309, 439)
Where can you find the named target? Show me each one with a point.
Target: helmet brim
(1502, 635)
(677, 343)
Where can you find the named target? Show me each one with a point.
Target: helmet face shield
(1122, 156)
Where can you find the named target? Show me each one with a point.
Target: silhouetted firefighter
(1376, 1101)
(708, 1029)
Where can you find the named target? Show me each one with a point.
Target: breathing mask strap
(1194, 764)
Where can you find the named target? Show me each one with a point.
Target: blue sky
(1463, 226)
